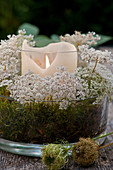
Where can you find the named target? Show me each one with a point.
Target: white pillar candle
(61, 53)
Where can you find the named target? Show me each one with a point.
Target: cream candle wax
(56, 54)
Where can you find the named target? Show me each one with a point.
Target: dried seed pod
(85, 152)
(54, 156)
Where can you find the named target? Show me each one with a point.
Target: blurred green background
(57, 17)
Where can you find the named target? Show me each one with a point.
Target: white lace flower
(10, 54)
(79, 39)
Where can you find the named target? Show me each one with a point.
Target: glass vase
(81, 119)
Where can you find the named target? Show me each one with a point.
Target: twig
(95, 64)
(109, 144)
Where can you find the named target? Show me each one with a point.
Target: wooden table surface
(10, 161)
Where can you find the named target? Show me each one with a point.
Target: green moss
(45, 122)
(3, 91)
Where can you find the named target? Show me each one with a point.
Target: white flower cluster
(66, 87)
(88, 80)
(103, 71)
(79, 39)
(10, 54)
(63, 87)
(90, 54)
(98, 83)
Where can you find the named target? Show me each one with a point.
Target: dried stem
(95, 64)
(109, 144)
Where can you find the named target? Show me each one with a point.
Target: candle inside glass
(44, 61)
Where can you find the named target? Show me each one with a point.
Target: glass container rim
(48, 101)
(35, 50)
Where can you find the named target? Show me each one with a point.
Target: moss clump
(85, 152)
(46, 123)
(54, 156)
